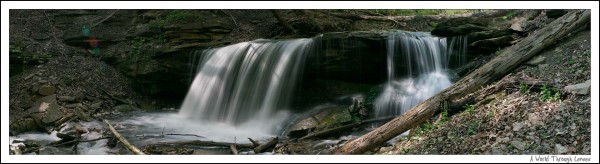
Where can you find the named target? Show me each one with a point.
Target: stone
(580, 89)
(48, 150)
(46, 90)
(518, 125)
(517, 23)
(125, 108)
(559, 149)
(534, 119)
(66, 98)
(518, 144)
(80, 129)
(536, 60)
(497, 151)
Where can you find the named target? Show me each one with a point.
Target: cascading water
(423, 61)
(249, 83)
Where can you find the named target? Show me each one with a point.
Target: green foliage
(181, 16)
(509, 15)
(549, 94)
(469, 108)
(433, 24)
(472, 127)
(404, 150)
(137, 54)
(498, 52)
(523, 88)
(13, 48)
(157, 24)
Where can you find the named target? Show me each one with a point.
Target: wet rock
(146, 105)
(66, 136)
(47, 150)
(81, 114)
(31, 143)
(66, 98)
(559, 149)
(125, 108)
(80, 129)
(580, 89)
(327, 118)
(46, 90)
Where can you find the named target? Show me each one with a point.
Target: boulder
(580, 89)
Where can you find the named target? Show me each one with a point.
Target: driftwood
(344, 127)
(498, 67)
(263, 147)
(234, 150)
(207, 143)
(254, 143)
(129, 146)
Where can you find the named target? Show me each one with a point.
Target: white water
(425, 73)
(248, 84)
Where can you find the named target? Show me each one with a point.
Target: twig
(77, 140)
(129, 146)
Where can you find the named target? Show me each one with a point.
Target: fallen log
(207, 143)
(129, 146)
(344, 127)
(417, 17)
(498, 67)
(263, 147)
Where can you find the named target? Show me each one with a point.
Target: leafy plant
(549, 94)
(180, 16)
(509, 15)
(523, 88)
(472, 127)
(469, 108)
(498, 52)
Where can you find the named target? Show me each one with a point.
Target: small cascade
(249, 83)
(417, 70)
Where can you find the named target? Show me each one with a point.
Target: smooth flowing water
(247, 84)
(424, 61)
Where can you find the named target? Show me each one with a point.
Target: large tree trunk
(488, 73)
(418, 17)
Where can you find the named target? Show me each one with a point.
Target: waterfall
(249, 83)
(417, 70)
